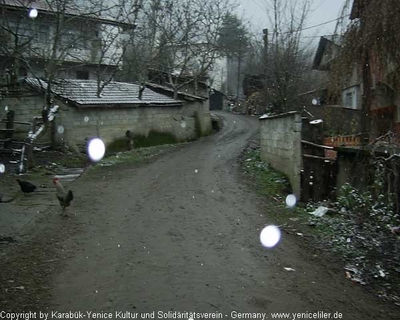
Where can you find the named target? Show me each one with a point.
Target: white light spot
(212, 191)
(119, 246)
(317, 121)
(270, 236)
(196, 171)
(95, 291)
(291, 200)
(183, 124)
(6, 108)
(193, 197)
(33, 13)
(96, 149)
(86, 119)
(289, 269)
(60, 129)
(2, 168)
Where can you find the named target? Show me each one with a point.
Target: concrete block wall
(81, 124)
(26, 107)
(281, 146)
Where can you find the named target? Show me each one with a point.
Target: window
(22, 72)
(82, 75)
(349, 99)
(42, 34)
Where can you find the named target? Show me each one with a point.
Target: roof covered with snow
(83, 93)
(182, 94)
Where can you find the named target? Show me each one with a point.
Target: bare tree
(179, 38)
(286, 58)
(112, 45)
(66, 34)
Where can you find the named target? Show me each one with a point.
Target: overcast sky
(322, 11)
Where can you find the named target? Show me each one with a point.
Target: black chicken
(26, 187)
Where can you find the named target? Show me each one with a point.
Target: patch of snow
(320, 211)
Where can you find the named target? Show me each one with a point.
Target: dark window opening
(82, 75)
(22, 72)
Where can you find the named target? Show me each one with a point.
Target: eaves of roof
(44, 7)
(170, 91)
(83, 94)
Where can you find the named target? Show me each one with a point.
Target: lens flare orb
(270, 236)
(291, 200)
(33, 13)
(96, 149)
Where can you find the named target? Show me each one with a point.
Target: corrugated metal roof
(84, 93)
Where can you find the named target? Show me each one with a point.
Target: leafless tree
(66, 33)
(286, 60)
(179, 38)
(111, 46)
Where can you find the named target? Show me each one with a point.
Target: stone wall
(281, 146)
(81, 124)
(110, 124)
(27, 106)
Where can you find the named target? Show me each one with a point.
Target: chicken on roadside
(63, 196)
(26, 187)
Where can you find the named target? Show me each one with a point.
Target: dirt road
(181, 233)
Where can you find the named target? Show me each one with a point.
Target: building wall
(109, 123)
(232, 78)
(80, 45)
(337, 120)
(351, 97)
(26, 107)
(281, 145)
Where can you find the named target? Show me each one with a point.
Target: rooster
(63, 196)
(26, 187)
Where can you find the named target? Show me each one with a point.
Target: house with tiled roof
(121, 107)
(89, 39)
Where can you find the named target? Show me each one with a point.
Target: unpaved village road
(181, 233)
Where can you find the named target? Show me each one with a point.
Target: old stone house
(120, 107)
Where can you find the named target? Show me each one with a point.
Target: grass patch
(133, 157)
(154, 138)
(367, 247)
(269, 181)
(117, 145)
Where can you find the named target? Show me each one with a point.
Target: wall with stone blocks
(26, 106)
(281, 146)
(81, 124)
